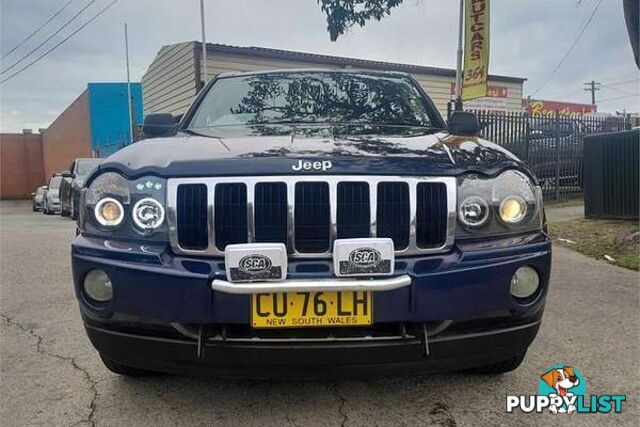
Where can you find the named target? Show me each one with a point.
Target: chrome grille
(354, 211)
(308, 213)
(192, 228)
(393, 213)
(230, 207)
(312, 217)
(270, 212)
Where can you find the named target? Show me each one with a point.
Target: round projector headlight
(148, 213)
(97, 285)
(109, 212)
(513, 209)
(474, 211)
(525, 282)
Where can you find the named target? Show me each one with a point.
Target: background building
(175, 75)
(95, 125)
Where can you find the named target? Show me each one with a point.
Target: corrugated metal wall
(171, 81)
(611, 163)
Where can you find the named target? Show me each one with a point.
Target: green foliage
(343, 14)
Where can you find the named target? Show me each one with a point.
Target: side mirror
(66, 174)
(464, 123)
(159, 124)
(33, 194)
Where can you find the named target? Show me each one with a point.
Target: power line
(582, 30)
(48, 38)
(616, 98)
(619, 90)
(4, 55)
(623, 82)
(104, 9)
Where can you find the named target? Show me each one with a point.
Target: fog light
(109, 212)
(148, 214)
(524, 282)
(513, 209)
(98, 286)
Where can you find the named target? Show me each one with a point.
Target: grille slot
(308, 212)
(353, 211)
(312, 217)
(192, 216)
(394, 213)
(230, 214)
(271, 212)
(431, 215)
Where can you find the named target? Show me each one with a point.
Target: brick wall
(68, 137)
(21, 165)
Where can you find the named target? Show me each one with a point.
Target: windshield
(54, 184)
(83, 167)
(313, 98)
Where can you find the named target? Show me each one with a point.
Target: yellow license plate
(311, 309)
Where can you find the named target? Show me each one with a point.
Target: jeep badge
(323, 165)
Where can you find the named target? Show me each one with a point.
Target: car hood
(396, 152)
(53, 193)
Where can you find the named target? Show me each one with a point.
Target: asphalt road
(50, 374)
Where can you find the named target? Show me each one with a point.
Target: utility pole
(458, 102)
(204, 45)
(592, 87)
(126, 49)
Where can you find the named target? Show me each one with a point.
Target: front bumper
(312, 360)
(154, 288)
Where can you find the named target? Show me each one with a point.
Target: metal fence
(552, 146)
(612, 161)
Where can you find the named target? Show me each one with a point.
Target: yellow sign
(476, 49)
(311, 309)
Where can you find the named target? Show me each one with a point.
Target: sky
(528, 39)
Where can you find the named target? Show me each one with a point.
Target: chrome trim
(251, 225)
(311, 285)
(290, 182)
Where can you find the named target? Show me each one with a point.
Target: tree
(344, 14)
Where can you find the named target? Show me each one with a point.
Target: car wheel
(63, 212)
(129, 371)
(34, 209)
(500, 367)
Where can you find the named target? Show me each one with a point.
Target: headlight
(148, 213)
(513, 209)
(474, 212)
(112, 205)
(109, 212)
(508, 203)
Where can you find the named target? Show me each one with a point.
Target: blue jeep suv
(311, 222)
